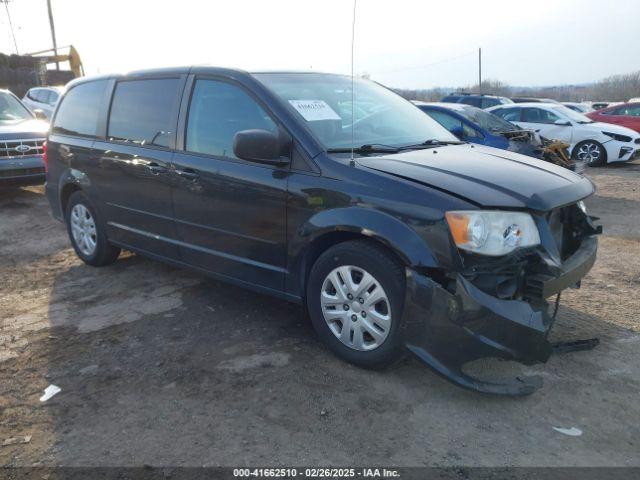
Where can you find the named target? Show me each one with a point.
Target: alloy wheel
(589, 152)
(356, 308)
(83, 229)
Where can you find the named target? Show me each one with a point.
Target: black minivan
(393, 234)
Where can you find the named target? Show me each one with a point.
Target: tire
(369, 341)
(583, 152)
(80, 216)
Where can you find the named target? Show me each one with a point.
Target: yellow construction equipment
(49, 57)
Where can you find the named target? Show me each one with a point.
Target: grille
(638, 140)
(20, 172)
(20, 148)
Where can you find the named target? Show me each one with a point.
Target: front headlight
(618, 137)
(492, 233)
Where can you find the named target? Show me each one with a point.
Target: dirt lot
(162, 366)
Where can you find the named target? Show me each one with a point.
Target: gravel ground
(161, 366)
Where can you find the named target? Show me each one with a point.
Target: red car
(625, 115)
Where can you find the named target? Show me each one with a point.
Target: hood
(23, 130)
(486, 176)
(610, 127)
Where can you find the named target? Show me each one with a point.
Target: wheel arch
(331, 227)
(71, 181)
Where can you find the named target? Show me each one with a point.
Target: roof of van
(202, 69)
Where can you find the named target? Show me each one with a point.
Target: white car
(43, 98)
(578, 107)
(594, 142)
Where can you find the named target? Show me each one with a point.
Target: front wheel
(591, 152)
(355, 296)
(86, 232)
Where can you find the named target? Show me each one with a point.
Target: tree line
(616, 88)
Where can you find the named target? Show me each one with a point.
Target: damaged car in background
(475, 125)
(395, 236)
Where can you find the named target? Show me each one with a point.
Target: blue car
(474, 125)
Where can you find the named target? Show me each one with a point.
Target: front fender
(377, 225)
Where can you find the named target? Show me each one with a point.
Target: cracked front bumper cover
(447, 330)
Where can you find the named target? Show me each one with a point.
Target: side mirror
(40, 115)
(562, 123)
(261, 146)
(458, 132)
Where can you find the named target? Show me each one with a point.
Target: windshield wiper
(367, 148)
(382, 148)
(433, 142)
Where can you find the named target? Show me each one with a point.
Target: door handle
(156, 168)
(187, 174)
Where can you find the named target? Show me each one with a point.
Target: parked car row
(594, 142)
(475, 125)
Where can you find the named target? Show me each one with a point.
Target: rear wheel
(355, 296)
(86, 232)
(591, 152)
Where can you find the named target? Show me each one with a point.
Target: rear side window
(447, 121)
(537, 115)
(42, 96)
(142, 111)
(452, 124)
(217, 112)
(475, 101)
(79, 110)
(490, 102)
(508, 114)
(53, 97)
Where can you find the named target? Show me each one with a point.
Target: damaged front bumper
(449, 327)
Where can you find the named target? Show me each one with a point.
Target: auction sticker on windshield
(314, 110)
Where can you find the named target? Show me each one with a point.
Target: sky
(401, 43)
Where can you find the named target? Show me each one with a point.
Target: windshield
(380, 117)
(12, 110)
(571, 114)
(486, 120)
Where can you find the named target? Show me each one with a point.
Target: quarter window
(78, 113)
(142, 111)
(217, 112)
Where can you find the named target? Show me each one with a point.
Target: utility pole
(53, 33)
(480, 71)
(15, 44)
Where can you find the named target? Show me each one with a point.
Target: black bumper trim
(447, 330)
(573, 269)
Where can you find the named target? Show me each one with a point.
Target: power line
(6, 6)
(418, 67)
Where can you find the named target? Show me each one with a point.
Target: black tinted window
(475, 101)
(217, 112)
(78, 113)
(490, 102)
(537, 115)
(141, 111)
